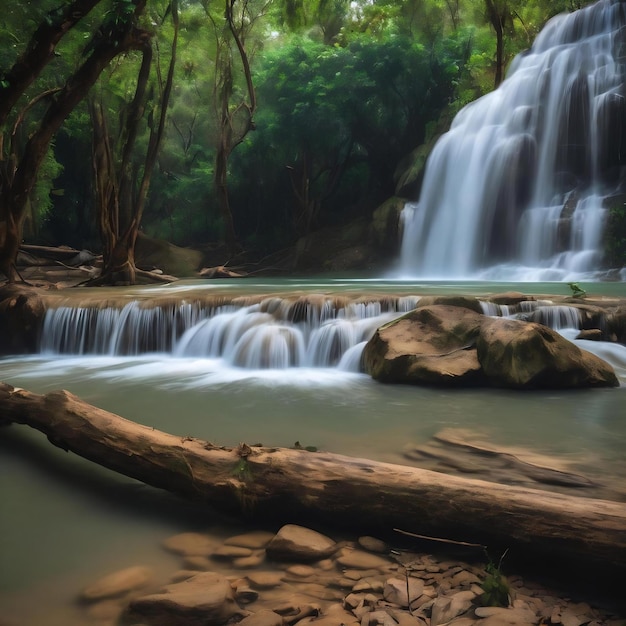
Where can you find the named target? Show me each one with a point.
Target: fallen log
(296, 484)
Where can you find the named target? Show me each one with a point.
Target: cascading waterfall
(271, 334)
(518, 187)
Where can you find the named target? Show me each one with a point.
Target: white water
(515, 190)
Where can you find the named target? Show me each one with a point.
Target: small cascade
(274, 333)
(557, 317)
(518, 188)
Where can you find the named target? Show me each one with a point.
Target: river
(66, 522)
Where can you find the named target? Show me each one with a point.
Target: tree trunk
(10, 236)
(288, 484)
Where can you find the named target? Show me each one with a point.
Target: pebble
(117, 583)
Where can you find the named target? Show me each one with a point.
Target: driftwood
(296, 484)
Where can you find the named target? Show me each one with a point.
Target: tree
(121, 186)
(118, 33)
(234, 121)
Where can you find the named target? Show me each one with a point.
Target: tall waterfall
(517, 189)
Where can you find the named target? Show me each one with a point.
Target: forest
(243, 125)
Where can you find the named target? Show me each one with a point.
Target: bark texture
(292, 484)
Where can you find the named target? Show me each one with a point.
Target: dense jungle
(240, 128)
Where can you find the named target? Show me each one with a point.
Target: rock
(190, 544)
(245, 595)
(496, 616)
(151, 253)
(254, 540)
(384, 227)
(297, 543)
(378, 618)
(590, 334)
(357, 559)
(521, 354)
(265, 580)
(465, 302)
(447, 608)
(395, 590)
(510, 297)
(262, 618)
(248, 562)
(432, 345)
(373, 545)
(301, 571)
(227, 553)
(117, 583)
(454, 346)
(206, 599)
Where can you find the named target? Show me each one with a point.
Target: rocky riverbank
(299, 576)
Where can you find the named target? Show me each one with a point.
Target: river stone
(117, 583)
(227, 553)
(264, 617)
(447, 608)
(433, 345)
(190, 544)
(395, 590)
(372, 544)
(254, 540)
(248, 562)
(358, 559)
(206, 599)
(521, 354)
(297, 543)
(265, 580)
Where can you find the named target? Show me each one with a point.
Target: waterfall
(517, 188)
(274, 333)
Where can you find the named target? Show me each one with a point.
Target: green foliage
(496, 591)
(615, 242)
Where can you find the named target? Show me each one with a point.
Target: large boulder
(431, 345)
(514, 353)
(455, 346)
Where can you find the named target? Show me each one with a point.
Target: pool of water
(66, 522)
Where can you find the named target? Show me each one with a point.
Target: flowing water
(262, 370)
(519, 188)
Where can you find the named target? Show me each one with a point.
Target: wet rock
(401, 591)
(249, 562)
(265, 580)
(378, 618)
(206, 599)
(198, 563)
(117, 584)
(521, 354)
(357, 559)
(254, 540)
(495, 616)
(371, 544)
(445, 609)
(297, 543)
(433, 345)
(301, 571)
(190, 544)
(227, 553)
(264, 617)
